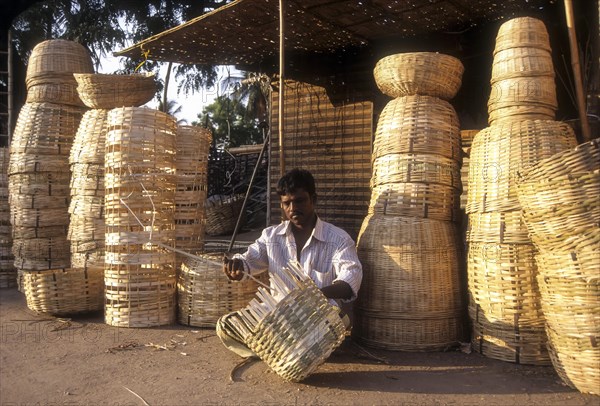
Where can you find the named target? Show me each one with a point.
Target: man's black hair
(297, 179)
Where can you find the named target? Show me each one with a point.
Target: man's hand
(233, 268)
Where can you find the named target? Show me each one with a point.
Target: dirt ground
(82, 361)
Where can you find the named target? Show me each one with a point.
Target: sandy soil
(82, 361)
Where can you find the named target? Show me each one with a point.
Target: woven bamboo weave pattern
(499, 151)
(108, 91)
(498, 227)
(423, 73)
(88, 145)
(222, 213)
(139, 188)
(522, 32)
(415, 168)
(58, 56)
(204, 293)
(538, 91)
(293, 330)
(418, 125)
(522, 62)
(8, 272)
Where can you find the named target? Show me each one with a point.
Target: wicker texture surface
(410, 274)
(193, 144)
(415, 168)
(8, 272)
(222, 213)
(499, 151)
(204, 293)
(522, 32)
(58, 56)
(108, 91)
(522, 62)
(418, 125)
(423, 73)
(139, 207)
(498, 227)
(292, 329)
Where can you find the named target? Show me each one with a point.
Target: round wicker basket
(559, 197)
(536, 94)
(58, 56)
(424, 73)
(418, 125)
(522, 32)
(416, 168)
(410, 273)
(204, 293)
(58, 88)
(498, 227)
(521, 62)
(88, 145)
(108, 91)
(222, 213)
(63, 291)
(499, 151)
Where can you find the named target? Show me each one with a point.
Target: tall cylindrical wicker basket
(140, 228)
(8, 272)
(410, 297)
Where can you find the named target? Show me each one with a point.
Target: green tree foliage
(230, 123)
(104, 26)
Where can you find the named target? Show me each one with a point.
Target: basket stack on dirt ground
(561, 208)
(291, 327)
(504, 300)
(8, 272)
(140, 185)
(50, 72)
(408, 244)
(204, 293)
(193, 144)
(222, 213)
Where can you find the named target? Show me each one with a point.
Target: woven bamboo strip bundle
(499, 151)
(291, 327)
(193, 144)
(139, 218)
(423, 200)
(63, 291)
(204, 293)
(559, 196)
(50, 71)
(8, 272)
(418, 125)
(423, 73)
(410, 273)
(109, 91)
(415, 168)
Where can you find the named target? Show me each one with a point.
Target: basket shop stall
(367, 103)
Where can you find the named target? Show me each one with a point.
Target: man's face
(298, 208)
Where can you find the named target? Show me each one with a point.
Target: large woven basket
(522, 32)
(418, 125)
(522, 62)
(538, 94)
(498, 227)
(424, 73)
(292, 329)
(108, 91)
(58, 88)
(410, 277)
(431, 201)
(8, 272)
(559, 196)
(222, 213)
(499, 151)
(139, 207)
(88, 144)
(63, 291)
(570, 288)
(204, 293)
(58, 56)
(415, 168)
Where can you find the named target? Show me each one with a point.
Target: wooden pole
(281, 90)
(581, 106)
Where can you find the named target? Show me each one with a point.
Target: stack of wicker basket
(559, 196)
(8, 272)
(193, 143)
(99, 92)
(504, 301)
(39, 176)
(410, 297)
(140, 185)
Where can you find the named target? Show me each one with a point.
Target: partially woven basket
(204, 293)
(292, 327)
(424, 73)
(108, 91)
